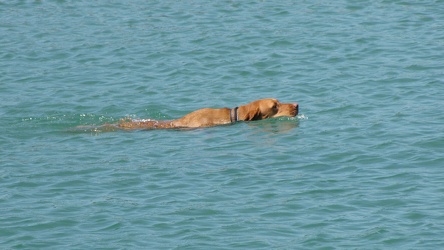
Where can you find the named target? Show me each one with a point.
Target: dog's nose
(296, 107)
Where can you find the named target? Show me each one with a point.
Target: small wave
(93, 128)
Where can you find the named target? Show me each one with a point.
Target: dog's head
(267, 108)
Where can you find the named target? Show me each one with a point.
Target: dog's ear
(250, 112)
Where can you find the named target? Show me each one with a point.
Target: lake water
(360, 167)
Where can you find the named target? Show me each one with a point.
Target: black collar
(233, 115)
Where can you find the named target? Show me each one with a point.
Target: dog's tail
(128, 124)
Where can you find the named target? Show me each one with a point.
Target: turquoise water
(361, 166)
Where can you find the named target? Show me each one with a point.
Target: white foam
(143, 120)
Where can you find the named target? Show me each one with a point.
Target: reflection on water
(277, 126)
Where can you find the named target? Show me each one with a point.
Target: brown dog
(207, 117)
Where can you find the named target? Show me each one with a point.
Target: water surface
(359, 168)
